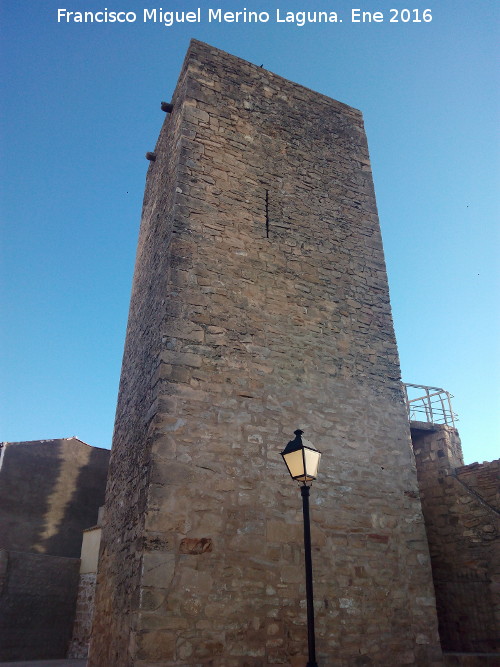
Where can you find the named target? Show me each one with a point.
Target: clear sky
(81, 106)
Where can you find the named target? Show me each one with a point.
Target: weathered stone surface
(195, 546)
(157, 569)
(79, 645)
(247, 322)
(156, 645)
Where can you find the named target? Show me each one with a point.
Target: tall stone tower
(260, 305)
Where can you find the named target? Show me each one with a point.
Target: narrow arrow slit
(267, 213)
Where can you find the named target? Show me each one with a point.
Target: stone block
(156, 645)
(157, 570)
(195, 546)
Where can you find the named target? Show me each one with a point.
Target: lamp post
(302, 460)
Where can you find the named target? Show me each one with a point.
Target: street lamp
(302, 460)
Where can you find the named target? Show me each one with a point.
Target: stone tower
(260, 305)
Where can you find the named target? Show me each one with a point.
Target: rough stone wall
(37, 601)
(79, 645)
(85, 603)
(461, 509)
(50, 491)
(260, 305)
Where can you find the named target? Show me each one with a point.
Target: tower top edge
(197, 47)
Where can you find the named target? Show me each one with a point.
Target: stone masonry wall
(461, 509)
(260, 305)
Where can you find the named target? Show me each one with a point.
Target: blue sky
(81, 106)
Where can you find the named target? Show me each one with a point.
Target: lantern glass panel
(311, 457)
(295, 463)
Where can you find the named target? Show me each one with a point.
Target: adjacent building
(50, 491)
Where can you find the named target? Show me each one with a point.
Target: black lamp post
(302, 460)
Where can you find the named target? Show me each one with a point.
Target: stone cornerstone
(260, 305)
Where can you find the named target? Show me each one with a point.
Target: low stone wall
(37, 601)
(461, 511)
(482, 478)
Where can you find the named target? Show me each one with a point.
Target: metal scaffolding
(429, 404)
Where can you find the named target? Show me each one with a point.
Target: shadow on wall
(50, 491)
(37, 601)
(28, 476)
(82, 507)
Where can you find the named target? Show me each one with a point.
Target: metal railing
(429, 404)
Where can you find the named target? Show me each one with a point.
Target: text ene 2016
(397, 16)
